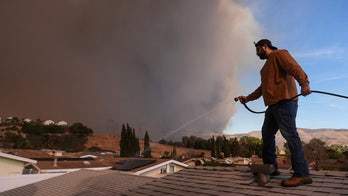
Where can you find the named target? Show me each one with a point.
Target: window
(171, 168)
(163, 170)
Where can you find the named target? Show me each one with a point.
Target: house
(27, 120)
(131, 164)
(62, 123)
(55, 153)
(162, 169)
(71, 164)
(12, 164)
(14, 181)
(156, 168)
(57, 161)
(240, 161)
(194, 162)
(89, 156)
(48, 122)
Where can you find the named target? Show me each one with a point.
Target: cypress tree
(123, 142)
(213, 147)
(226, 147)
(137, 147)
(129, 143)
(174, 153)
(218, 145)
(147, 149)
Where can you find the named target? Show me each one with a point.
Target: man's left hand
(305, 89)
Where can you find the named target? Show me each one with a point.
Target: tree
(32, 128)
(226, 147)
(250, 146)
(195, 142)
(80, 130)
(235, 147)
(54, 129)
(213, 147)
(147, 149)
(16, 140)
(315, 152)
(162, 141)
(166, 155)
(218, 144)
(124, 142)
(174, 153)
(129, 143)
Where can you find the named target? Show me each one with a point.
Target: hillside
(112, 142)
(329, 136)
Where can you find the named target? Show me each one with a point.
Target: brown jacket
(277, 78)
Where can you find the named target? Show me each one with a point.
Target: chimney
(55, 160)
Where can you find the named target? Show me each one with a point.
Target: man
(278, 76)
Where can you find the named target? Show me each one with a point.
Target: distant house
(62, 164)
(238, 161)
(27, 120)
(12, 164)
(193, 162)
(56, 161)
(62, 123)
(48, 122)
(11, 120)
(162, 169)
(55, 153)
(89, 156)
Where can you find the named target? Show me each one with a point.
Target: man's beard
(262, 54)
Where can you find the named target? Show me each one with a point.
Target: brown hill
(329, 136)
(112, 142)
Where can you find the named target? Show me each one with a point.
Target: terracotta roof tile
(190, 181)
(233, 181)
(83, 182)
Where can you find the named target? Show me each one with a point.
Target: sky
(171, 68)
(314, 32)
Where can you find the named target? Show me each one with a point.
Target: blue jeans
(282, 116)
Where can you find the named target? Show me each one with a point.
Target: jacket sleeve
(289, 64)
(255, 95)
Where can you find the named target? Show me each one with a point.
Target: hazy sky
(169, 67)
(165, 66)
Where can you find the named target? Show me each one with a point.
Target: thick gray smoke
(165, 66)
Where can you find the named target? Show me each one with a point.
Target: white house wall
(10, 167)
(14, 181)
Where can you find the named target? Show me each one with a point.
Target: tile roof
(31, 154)
(71, 164)
(17, 158)
(190, 181)
(233, 181)
(130, 164)
(83, 182)
(119, 161)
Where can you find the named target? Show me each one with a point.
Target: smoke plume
(168, 67)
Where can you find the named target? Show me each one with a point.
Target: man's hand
(305, 89)
(242, 99)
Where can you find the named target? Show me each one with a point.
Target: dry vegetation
(112, 142)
